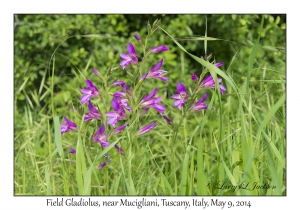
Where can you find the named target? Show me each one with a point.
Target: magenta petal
(119, 94)
(146, 129)
(160, 108)
(130, 49)
(158, 49)
(92, 108)
(219, 64)
(157, 66)
(176, 102)
(180, 88)
(143, 76)
(206, 79)
(84, 99)
(202, 99)
(63, 128)
(194, 77)
(120, 150)
(125, 56)
(86, 91)
(169, 121)
(125, 63)
(163, 79)
(119, 129)
(115, 105)
(222, 89)
(151, 95)
(102, 165)
(95, 71)
(119, 83)
(176, 96)
(111, 114)
(101, 129)
(89, 84)
(72, 151)
(112, 121)
(137, 37)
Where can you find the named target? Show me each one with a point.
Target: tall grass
(241, 141)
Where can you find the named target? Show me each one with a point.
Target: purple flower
(147, 128)
(156, 72)
(72, 151)
(119, 129)
(96, 71)
(117, 114)
(137, 37)
(69, 126)
(123, 102)
(124, 86)
(93, 114)
(158, 49)
(219, 64)
(120, 150)
(181, 97)
(199, 105)
(101, 137)
(169, 121)
(209, 82)
(130, 58)
(194, 77)
(90, 92)
(151, 101)
(102, 165)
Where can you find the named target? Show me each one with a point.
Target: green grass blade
(87, 181)
(57, 137)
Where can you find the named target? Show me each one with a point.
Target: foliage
(54, 54)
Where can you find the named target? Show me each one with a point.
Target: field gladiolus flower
(137, 37)
(199, 105)
(150, 101)
(72, 151)
(169, 121)
(102, 165)
(209, 82)
(93, 114)
(147, 128)
(120, 150)
(117, 114)
(124, 86)
(158, 49)
(156, 72)
(194, 77)
(101, 137)
(130, 58)
(119, 129)
(181, 97)
(69, 126)
(96, 71)
(89, 92)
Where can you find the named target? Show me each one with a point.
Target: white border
(8, 8)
